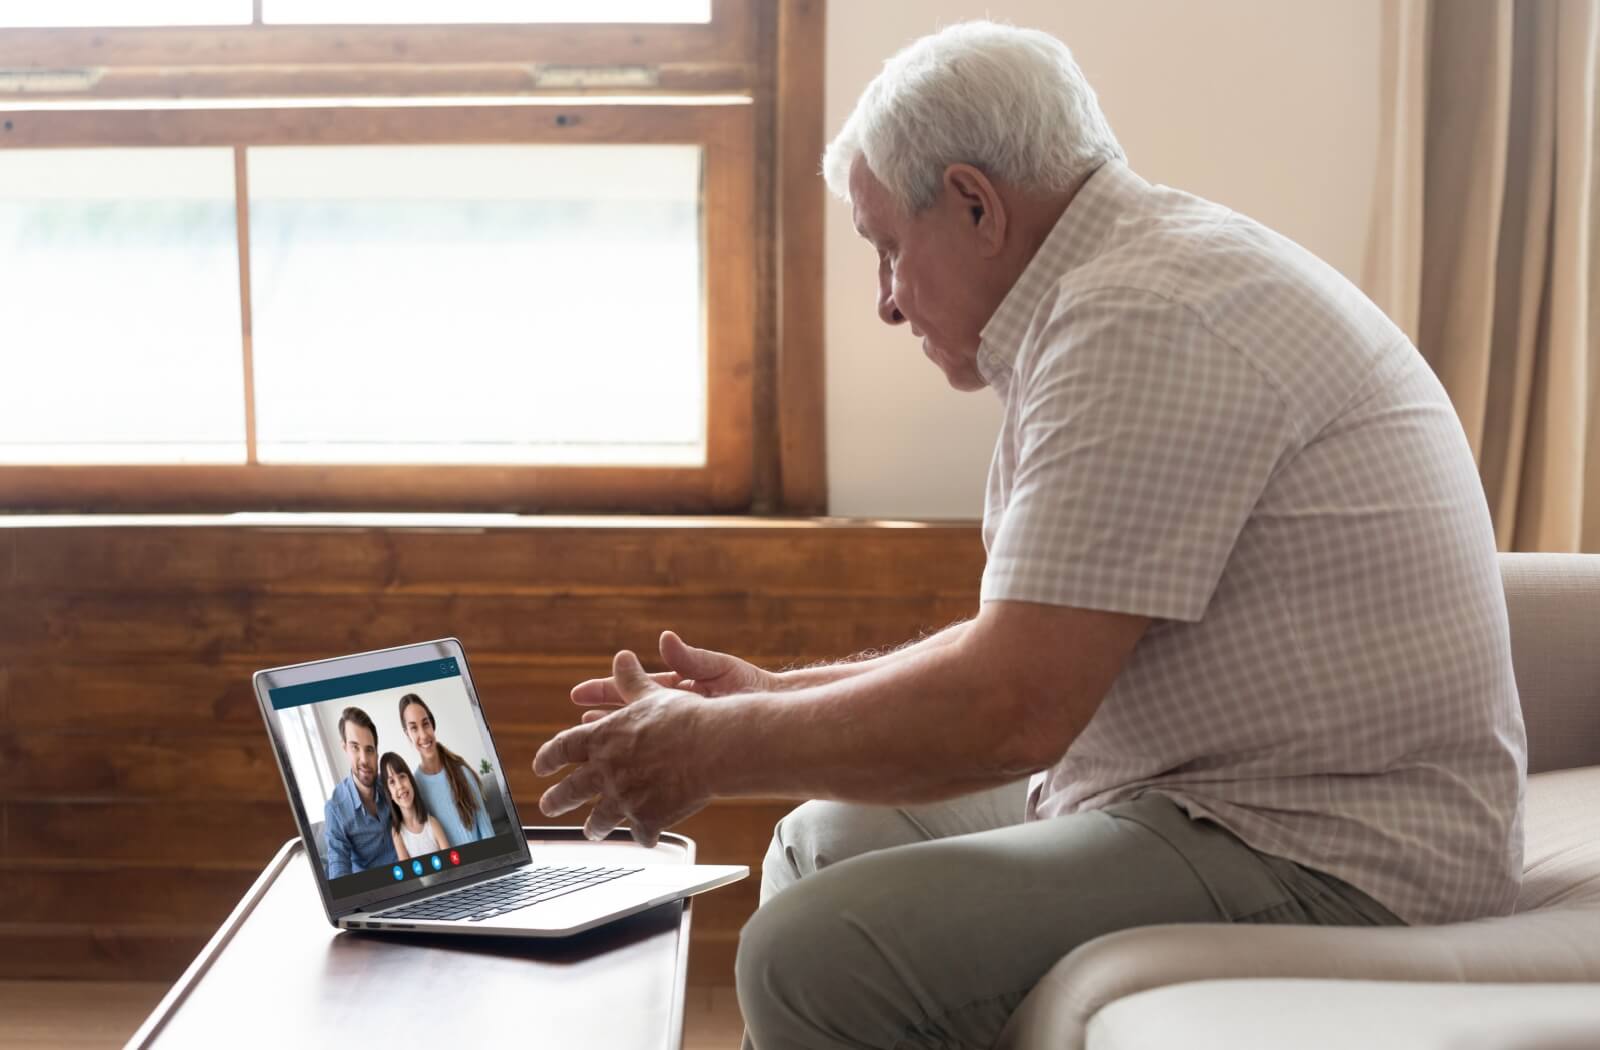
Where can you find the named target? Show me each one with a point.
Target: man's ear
(971, 190)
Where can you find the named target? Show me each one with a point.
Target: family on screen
(387, 811)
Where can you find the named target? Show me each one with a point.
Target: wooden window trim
(241, 218)
(724, 39)
(800, 195)
(332, 61)
(250, 123)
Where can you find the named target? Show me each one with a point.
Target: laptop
(406, 813)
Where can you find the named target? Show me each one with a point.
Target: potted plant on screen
(492, 797)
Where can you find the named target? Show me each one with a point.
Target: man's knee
(792, 854)
(817, 834)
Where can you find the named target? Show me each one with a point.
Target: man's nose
(888, 312)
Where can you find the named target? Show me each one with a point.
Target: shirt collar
(1078, 236)
(352, 796)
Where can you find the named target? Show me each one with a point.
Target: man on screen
(357, 816)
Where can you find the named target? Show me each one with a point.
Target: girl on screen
(415, 832)
(450, 786)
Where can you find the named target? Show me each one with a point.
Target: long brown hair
(389, 761)
(456, 769)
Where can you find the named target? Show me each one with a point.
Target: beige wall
(1269, 107)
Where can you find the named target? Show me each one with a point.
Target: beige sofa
(1529, 980)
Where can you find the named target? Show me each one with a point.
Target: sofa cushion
(1346, 1015)
(1561, 861)
(1553, 601)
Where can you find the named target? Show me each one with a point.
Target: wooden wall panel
(132, 753)
(81, 951)
(692, 557)
(53, 831)
(54, 628)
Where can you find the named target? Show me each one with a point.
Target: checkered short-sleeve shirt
(1207, 425)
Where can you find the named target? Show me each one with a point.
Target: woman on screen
(450, 787)
(415, 832)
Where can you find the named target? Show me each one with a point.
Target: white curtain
(1485, 243)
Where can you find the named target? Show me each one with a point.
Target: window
(60, 13)
(429, 264)
(144, 376)
(388, 281)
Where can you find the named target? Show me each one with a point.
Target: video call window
(394, 776)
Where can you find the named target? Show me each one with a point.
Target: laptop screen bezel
(360, 663)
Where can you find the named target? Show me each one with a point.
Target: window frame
(330, 60)
(262, 85)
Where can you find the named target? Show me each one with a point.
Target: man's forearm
(922, 726)
(824, 674)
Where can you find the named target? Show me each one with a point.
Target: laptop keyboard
(517, 890)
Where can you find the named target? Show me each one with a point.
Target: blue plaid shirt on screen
(357, 840)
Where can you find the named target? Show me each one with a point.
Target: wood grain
(56, 627)
(132, 756)
(600, 557)
(229, 832)
(801, 389)
(532, 120)
(729, 263)
(223, 489)
(114, 952)
(726, 38)
(101, 1015)
(478, 79)
(111, 895)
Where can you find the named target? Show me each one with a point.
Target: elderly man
(1241, 618)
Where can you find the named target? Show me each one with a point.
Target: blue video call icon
(437, 863)
(416, 867)
(398, 873)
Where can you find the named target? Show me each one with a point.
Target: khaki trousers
(926, 926)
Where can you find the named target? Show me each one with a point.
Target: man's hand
(637, 760)
(702, 671)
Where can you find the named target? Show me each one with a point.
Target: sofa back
(1554, 604)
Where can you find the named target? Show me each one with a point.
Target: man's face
(926, 273)
(361, 747)
(419, 727)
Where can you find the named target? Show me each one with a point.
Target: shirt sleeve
(338, 842)
(1144, 443)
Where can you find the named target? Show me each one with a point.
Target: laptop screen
(396, 777)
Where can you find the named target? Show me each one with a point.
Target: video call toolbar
(443, 863)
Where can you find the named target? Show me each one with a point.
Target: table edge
(191, 976)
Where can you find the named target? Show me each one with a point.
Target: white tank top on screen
(419, 843)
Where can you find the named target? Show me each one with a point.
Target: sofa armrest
(1551, 946)
(1351, 1015)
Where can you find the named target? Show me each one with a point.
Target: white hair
(1011, 102)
